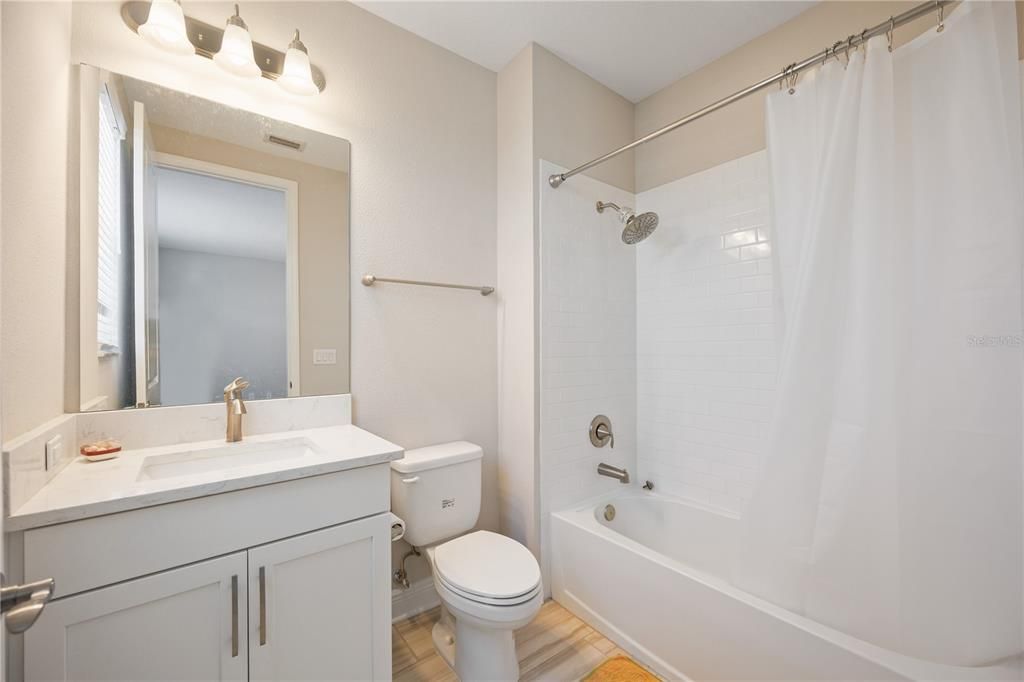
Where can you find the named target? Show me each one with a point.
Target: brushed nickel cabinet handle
(234, 616)
(22, 604)
(263, 605)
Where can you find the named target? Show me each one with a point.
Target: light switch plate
(54, 452)
(325, 356)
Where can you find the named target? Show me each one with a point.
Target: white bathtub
(648, 580)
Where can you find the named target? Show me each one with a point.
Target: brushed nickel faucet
(613, 472)
(235, 407)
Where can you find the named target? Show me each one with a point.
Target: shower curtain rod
(787, 74)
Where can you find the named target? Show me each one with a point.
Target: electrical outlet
(325, 356)
(54, 452)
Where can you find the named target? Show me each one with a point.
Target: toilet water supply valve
(400, 576)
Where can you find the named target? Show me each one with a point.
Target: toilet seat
(487, 568)
(492, 601)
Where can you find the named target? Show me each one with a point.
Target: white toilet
(488, 583)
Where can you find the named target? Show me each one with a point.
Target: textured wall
(738, 130)
(422, 125)
(547, 110)
(516, 276)
(577, 119)
(36, 92)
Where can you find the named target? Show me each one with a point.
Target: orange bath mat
(619, 669)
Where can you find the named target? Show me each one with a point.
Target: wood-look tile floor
(556, 646)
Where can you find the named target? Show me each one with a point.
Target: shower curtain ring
(888, 34)
(941, 9)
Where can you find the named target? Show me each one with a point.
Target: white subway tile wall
(706, 356)
(587, 338)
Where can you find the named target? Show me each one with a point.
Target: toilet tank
(436, 491)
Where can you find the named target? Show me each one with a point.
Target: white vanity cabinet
(183, 624)
(313, 614)
(280, 582)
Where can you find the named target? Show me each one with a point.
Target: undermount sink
(206, 460)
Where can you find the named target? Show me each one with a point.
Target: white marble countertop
(85, 489)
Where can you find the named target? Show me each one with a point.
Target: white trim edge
(421, 596)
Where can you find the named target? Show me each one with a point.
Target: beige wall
(33, 167)
(1020, 29)
(516, 175)
(738, 129)
(422, 126)
(547, 110)
(323, 247)
(577, 118)
(422, 123)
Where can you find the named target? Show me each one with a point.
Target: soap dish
(101, 450)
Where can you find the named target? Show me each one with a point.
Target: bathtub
(649, 580)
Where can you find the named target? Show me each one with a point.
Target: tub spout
(613, 472)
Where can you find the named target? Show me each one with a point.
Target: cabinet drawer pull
(234, 616)
(263, 605)
(412, 479)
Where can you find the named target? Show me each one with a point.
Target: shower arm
(621, 210)
(787, 74)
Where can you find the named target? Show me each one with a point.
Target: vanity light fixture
(165, 28)
(297, 77)
(163, 23)
(235, 54)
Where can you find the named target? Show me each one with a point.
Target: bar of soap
(100, 450)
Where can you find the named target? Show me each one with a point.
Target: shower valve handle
(601, 432)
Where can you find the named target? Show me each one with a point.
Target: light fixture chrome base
(207, 39)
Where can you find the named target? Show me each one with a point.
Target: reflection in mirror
(214, 244)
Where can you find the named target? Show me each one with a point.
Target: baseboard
(421, 596)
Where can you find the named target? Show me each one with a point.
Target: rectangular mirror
(213, 243)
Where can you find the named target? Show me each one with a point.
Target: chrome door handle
(22, 604)
(412, 479)
(263, 605)
(234, 616)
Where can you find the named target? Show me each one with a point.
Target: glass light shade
(235, 55)
(165, 28)
(297, 76)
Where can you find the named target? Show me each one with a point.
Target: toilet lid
(486, 564)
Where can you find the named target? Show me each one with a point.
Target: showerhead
(638, 227)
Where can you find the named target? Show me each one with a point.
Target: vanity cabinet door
(320, 604)
(184, 624)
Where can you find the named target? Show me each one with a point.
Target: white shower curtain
(889, 500)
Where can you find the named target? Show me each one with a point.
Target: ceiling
(634, 48)
(234, 218)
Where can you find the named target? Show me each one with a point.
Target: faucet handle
(239, 384)
(601, 432)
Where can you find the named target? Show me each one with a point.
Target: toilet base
(443, 634)
(484, 654)
(475, 653)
